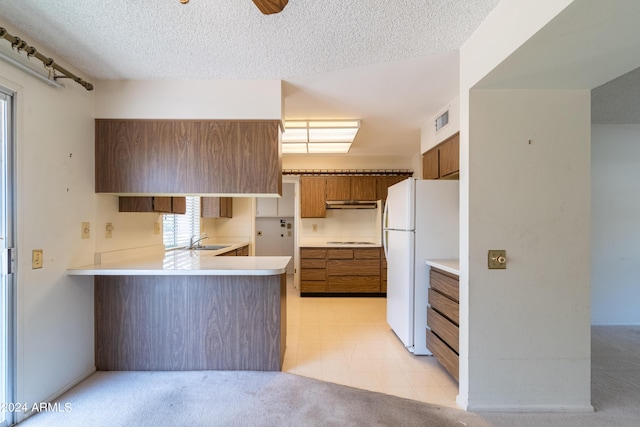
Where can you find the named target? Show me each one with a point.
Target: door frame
(8, 208)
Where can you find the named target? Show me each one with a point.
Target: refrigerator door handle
(385, 213)
(384, 243)
(384, 230)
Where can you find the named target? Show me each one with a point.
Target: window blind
(178, 229)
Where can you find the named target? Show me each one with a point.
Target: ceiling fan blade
(270, 6)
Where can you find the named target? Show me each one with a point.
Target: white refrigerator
(420, 222)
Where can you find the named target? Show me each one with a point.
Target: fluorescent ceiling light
(319, 136)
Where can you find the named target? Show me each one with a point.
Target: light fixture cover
(319, 136)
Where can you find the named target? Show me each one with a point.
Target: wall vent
(442, 120)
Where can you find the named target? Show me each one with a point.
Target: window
(178, 229)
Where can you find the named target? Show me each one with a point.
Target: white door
(400, 279)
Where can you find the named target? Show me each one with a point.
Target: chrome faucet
(193, 243)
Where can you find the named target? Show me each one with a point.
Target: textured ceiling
(367, 59)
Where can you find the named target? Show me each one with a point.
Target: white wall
(529, 334)
(54, 195)
(240, 226)
(429, 138)
(130, 229)
(500, 369)
(189, 99)
(615, 232)
(343, 224)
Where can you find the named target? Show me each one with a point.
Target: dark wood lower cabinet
(340, 271)
(179, 323)
(242, 251)
(443, 319)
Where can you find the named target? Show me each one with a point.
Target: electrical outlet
(108, 230)
(157, 228)
(85, 230)
(36, 258)
(314, 227)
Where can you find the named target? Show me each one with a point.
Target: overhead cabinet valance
(188, 157)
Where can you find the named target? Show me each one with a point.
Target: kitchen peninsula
(189, 310)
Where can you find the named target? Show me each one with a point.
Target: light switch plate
(497, 259)
(36, 258)
(157, 228)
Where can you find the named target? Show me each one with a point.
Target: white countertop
(188, 263)
(449, 265)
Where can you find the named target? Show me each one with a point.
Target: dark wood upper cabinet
(338, 187)
(364, 188)
(450, 156)
(312, 197)
(188, 156)
(176, 205)
(431, 164)
(352, 187)
(216, 207)
(443, 160)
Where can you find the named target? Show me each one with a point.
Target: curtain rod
(19, 45)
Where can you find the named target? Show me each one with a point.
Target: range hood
(351, 204)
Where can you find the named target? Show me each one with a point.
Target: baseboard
(24, 415)
(615, 324)
(525, 408)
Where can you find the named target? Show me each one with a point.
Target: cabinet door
(450, 156)
(234, 157)
(364, 188)
(216, 207)
(145, 204)
(338, 188)
(178, 205)
(226, 207)
(266, 206)
(430, 164)
(312, 197)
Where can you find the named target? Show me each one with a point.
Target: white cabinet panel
(277, 207)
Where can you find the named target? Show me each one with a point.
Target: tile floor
(347, 341)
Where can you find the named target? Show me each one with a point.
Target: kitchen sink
(210, 247)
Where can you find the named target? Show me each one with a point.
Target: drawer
(311, 274)
(445, 283)
(313, 286)
(445, 306)
(447, 357)
(366, 253)
(340, 253)
(313, 263)
(353, 284)
(444, 328)
(313, 253)
(362, 267)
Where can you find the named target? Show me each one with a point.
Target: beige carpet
(214, 398)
